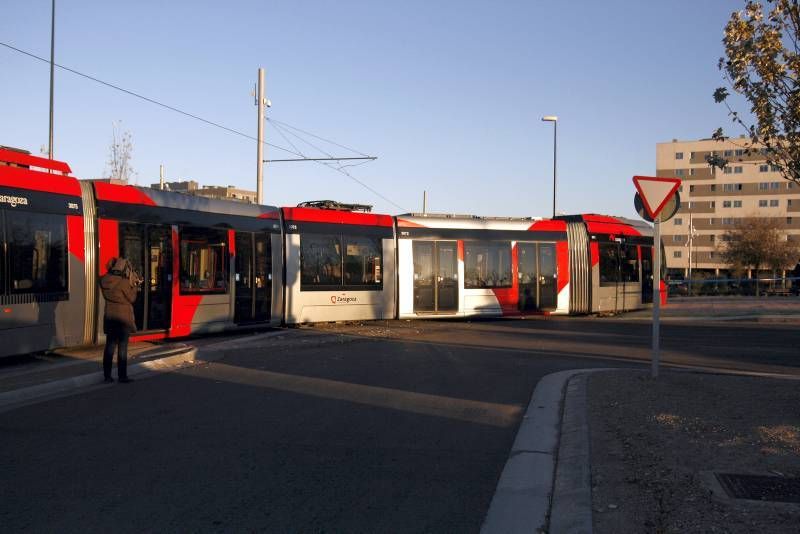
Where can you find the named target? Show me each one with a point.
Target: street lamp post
(554, 120)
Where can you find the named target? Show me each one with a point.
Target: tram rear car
(340, 265)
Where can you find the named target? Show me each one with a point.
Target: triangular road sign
(655, 192)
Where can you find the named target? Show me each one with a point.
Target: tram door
(435, 276)
(537, 276)
(647, 274)
(149, 249)
(253, 302)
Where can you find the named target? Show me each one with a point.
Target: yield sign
(655, 192)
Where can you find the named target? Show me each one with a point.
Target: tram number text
(72, 205)
(292, 227)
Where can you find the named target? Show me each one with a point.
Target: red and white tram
(214, 265)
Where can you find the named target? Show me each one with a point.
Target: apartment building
(713, 199)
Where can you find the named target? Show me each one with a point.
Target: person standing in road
(119, 287)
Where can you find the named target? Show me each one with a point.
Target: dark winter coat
(120, 294)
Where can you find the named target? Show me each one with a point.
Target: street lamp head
(550, 118)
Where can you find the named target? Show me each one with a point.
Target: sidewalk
(617, 452)
(39, 376)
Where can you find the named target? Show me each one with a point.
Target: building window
(204, 260)
(763, 168)
(737, 170)
(334, 261)
(762, 203)
(788, 202)
(727, 220)
(728, 153)
(37, 252)
(678, 172)
(678, 155)
(711, 238)
(691, 189)
(763, 186)
(691, 172)
(713, 187)
(677, 238)
(487, 264)
(726, 203)
(774, 203)
(711, 222)
(789, 220)
(737, 187)
(739, 152)
(790, 185)
(677, 254)
(775, 168)
(737, 203)
(691, 155)
(727, 170)
(712, 204)
(678, 221)
(774, 185)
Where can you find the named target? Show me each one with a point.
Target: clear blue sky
(447, 94)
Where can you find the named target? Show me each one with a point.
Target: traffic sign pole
(655, 193)
(657, 292)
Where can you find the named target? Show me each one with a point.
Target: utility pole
(161, 177)
(424, 202)
(52, 73)
(260, 168)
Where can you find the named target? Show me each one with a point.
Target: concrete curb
(59, 387)
(571, 510)
(521, 502)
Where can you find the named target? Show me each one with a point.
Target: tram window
(204, 260)
(487, 264)
(629, 263)
(37, 253)
(320, 261)
(609, 263)
(362, 261)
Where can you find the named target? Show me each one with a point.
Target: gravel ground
(654, 444)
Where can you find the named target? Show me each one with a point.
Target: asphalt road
(398, 426)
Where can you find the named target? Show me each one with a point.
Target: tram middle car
(340, 263)
(464, 265)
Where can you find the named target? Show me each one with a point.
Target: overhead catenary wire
(315, 136)
(209, 122)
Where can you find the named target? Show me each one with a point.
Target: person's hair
(111, 263)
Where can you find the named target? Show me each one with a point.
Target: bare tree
(120, 152)
(758, 242)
